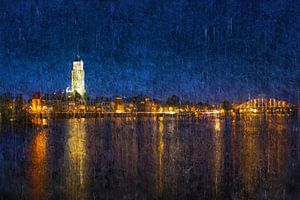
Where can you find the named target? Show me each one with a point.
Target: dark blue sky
(199, 50)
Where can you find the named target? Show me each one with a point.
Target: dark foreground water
(254, 157)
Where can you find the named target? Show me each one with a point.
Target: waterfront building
(77, 75)
(119, 105)
(36, 102)
(148, 105)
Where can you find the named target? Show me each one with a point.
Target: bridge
(265, 105)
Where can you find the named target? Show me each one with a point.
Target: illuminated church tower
(77, 78)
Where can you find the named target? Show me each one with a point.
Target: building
(36, 102)
(77, 75)
(119, 105)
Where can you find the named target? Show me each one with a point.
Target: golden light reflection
(174, 151)
(251, 163)
(217, 125)
(259, 150)
(218, 148)
(76, 159)
(276, 148)
(251, 152)
(37, 168)
(160, 159)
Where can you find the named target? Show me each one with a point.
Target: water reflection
(160, 156)
(248, 157)
(37, 166)
(218, 151)
(262, 155)
(124, 156)
(276, 151)
(75, 160)
(251, 153)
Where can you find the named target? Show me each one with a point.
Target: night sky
(198, 50)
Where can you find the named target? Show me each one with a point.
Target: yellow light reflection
(76, 159)
(250, 153)
(218, 143)
(37, 168)
(251, 162)
(160, 160)
(217, 124)
(276, 148)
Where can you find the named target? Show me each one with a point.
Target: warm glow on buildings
(265, 105)
(36, 105)
(119, 105)
(77, 78)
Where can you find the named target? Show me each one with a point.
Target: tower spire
(77, 55)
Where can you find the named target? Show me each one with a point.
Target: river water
(248, 157)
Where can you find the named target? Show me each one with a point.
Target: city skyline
(200, 51)
(77, 77)
(149, 99)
